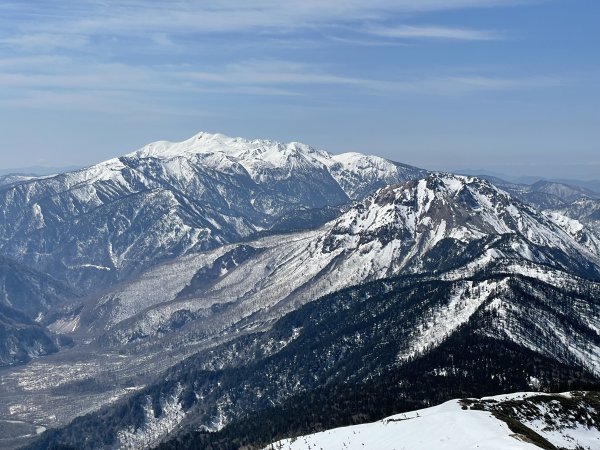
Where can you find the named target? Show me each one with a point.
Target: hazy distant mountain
(591, 185)
(6, 180)
(36, 171)
(542, 194)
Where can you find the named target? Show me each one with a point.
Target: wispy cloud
(44, 41)
(62, 24)
(62, 82)
(494, 83)
(288, 73)
(57, 52)
(434, 32)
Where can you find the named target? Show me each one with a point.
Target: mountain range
(197, 292)
(99, 225)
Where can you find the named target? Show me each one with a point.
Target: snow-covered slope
(573, 208)
(444, 427)
(585, 211)
(100, 224)
(456, 425)
(587, 235)
(441, 224)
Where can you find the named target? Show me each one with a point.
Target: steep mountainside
(31, 292)
(98, 225)
(22, 339)
(25, 296)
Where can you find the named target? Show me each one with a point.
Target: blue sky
(508, 86)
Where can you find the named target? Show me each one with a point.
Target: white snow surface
(576, 230)
(450, 427)
(442, 427)
(464, 301)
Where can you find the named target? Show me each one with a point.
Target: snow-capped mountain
(442, 223)
(97, 225)
(443, 214)
(504, 422)
(573, 207)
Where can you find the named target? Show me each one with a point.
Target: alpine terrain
(227, 293)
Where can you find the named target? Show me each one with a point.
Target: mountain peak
(442, 199)
(210, 143)
(474, 192)
(445, 211)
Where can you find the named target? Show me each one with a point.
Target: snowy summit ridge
(206, 143)
(354, 172)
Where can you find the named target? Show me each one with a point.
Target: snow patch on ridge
(466, 298)
(443, 427)
(154, 427)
